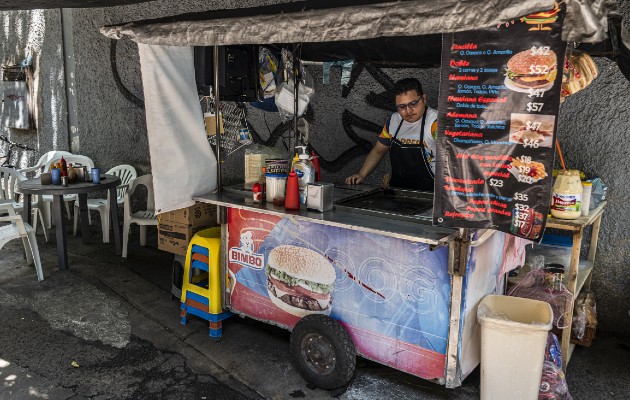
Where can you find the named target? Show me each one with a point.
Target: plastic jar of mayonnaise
(566, 200)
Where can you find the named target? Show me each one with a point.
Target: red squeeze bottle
(315, 161)
(292, 198)
(64, 167)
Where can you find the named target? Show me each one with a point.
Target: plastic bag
(585, 314)
(590, 309)
(285, 98)
(598, 193)
(553, 384)
(553, 352)
(268, 68)
(532, 263)
(579, 318)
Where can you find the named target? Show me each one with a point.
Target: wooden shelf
(585, 268)
(576, 224)
(579, 273)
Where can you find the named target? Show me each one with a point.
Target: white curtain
(182, 163)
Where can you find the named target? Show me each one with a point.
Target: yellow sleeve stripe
(434, 129)
(384, 134)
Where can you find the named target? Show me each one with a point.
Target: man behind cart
(409, 137)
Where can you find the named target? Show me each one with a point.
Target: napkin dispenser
(319, 196)
(81, 171)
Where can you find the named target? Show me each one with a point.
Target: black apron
(410, 168)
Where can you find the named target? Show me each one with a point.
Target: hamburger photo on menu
(300, 281)
(534, 68)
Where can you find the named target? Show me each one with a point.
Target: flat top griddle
(402, 204)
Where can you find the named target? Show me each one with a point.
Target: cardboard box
(200, 214)
(211, 124)
(174, 237)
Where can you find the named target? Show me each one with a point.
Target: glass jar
(566, 200)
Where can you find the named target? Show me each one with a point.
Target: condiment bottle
(566, 200)
(305, 172)
(64, 167)
(262, 179)
(292, 198)
(257, 192)
(72, 175)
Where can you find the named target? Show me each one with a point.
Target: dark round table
(33, 187)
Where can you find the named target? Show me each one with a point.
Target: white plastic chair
(141, 218)
(126, 173)
(20, 229)
(9, 177)
(44, 161)
(67, 198)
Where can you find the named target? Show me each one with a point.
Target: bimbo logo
(245, 255)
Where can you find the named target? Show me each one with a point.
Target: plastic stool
(201, 294)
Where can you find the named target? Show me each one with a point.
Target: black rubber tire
(333, 335)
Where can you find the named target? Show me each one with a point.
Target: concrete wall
(593, 124)
(594, 131)
(40, 31)
(112, 125)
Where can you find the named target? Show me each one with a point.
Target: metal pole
(67, 39)
(217, 104)
(296, 84)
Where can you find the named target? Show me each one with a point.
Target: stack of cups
(276, 171)
(586, 197)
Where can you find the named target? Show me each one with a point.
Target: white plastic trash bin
(513, 339)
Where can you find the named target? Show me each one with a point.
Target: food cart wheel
(323, 351)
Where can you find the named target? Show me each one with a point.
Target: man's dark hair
(407, 84)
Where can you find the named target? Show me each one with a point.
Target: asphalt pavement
(110, 329)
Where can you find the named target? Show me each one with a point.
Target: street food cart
(404, 292)
(365, 278)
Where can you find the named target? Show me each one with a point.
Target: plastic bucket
(513, 339)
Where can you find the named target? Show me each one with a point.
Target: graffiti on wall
(351, 122)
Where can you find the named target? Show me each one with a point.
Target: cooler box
(555, 248)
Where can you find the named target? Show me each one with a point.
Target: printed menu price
(498, 108)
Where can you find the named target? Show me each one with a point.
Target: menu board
(498, 108)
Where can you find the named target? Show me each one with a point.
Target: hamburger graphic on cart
(300, 280)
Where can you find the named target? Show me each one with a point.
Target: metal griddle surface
(395, 203)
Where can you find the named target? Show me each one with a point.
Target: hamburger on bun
(300, 280)
(526, 70)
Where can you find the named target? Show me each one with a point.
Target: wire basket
(236, 133)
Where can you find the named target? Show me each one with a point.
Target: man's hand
(371, 161)
(354, 179)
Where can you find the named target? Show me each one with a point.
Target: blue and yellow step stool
(202, 293)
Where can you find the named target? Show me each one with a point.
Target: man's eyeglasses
(411, 105)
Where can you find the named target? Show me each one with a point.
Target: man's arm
(371, 161)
